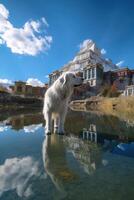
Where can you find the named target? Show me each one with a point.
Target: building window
(88, 73)
(84, 74)
(129, 92)
(93, 72)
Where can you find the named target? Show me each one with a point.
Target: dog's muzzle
(77, 85)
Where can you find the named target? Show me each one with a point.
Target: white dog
(56, 100)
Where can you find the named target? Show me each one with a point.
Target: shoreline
(17, 102)
(122, 107)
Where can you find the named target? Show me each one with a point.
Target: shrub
(110, 91)
(113, 91)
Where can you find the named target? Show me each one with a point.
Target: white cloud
(47, 76)
(5, 82)
(32, 128)
(119, 64)
(28, 39)
(34, 82)
(45, 21)
(103, 51)
(3, 11)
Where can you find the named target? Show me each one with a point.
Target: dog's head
(71, 79)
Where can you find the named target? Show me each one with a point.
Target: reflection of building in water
(90, 134)
(18, 122)
(129, 123)
(93, 135)
(88, 154)
(119, 144)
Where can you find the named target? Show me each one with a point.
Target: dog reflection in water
(55, 163)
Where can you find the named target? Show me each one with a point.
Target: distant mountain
(89, 54)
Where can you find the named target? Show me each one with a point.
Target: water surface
(95, 164)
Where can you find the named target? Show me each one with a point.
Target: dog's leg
(56, 122)
(61, 122)
(48, 118)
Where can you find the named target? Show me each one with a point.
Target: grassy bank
(13, 102)
(122, 107)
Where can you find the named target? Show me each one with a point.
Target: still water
(94, 160)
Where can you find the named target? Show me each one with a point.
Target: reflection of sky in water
(33, 166)
(32, 128)
(124, 149)
(15, 174)
(3, 128)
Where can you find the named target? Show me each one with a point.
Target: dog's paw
(61, 132)
(48, 132)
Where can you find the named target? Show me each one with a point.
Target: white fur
(56, 101)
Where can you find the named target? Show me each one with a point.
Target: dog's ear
(63, 79)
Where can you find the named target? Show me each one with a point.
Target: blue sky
(109, 23)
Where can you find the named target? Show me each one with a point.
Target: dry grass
(122, 107)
